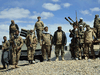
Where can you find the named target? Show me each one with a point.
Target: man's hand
(18, 48)
(40, 44)
(30, 45)
(2, 48)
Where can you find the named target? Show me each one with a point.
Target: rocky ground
(67, 67)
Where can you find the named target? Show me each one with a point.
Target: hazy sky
(52, 13)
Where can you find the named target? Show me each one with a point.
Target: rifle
(75, 36)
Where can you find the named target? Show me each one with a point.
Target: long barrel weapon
(70, 19)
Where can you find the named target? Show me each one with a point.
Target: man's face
(59, 28)
(75, 27)
(12, 22)
(80, 28)
(5, 38)
(39, 18)
(88, 28)
(46, 29)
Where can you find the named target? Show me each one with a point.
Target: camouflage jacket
(39, 25)
(12, 28)
(46, 39)
(18, 42)
(88, 36)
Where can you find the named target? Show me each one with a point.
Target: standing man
(31, 43)
(59, 40)
(75, 50)
(82, 23)
(39, 27)
(16, 50)
(88, 37)
(97, 26)
(5, 53)
(12, 29)
(81, 39)
(46, 44)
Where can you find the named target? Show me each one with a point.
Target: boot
(49, 59)
(93, 57)
(80, 58)
(29, 62)
(62, 58)
(16, 66)
(7, 65)
(76, 58)
(57, 59)
(86, 58)
(13, 67)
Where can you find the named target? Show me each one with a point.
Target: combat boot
(93, 57)
(80, 58)
(16, 66)
(7, 65)
(86, 58)
(63, 59)
(57, 59)
(76, 58)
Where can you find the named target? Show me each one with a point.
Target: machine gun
(72, 23)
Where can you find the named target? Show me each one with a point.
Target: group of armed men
(11, 49)
(83, 40)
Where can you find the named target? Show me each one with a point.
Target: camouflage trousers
(78, 52)
(57, 50)
(30, 53)
(46, 51)
(72, 52)
(86, 51)
(11, 35)
(39, 34)
(15, 56)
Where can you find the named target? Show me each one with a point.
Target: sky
(52, 12)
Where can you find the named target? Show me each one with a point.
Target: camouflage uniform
(75, 44)
(46, 45)
(16, 52)
(31, 47)
(39, 26)
(81, 37)
(12, 29)
(5, 53)
(97, 26)
(88, 37)
(59, 40)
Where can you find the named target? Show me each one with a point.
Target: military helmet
(96, 15)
